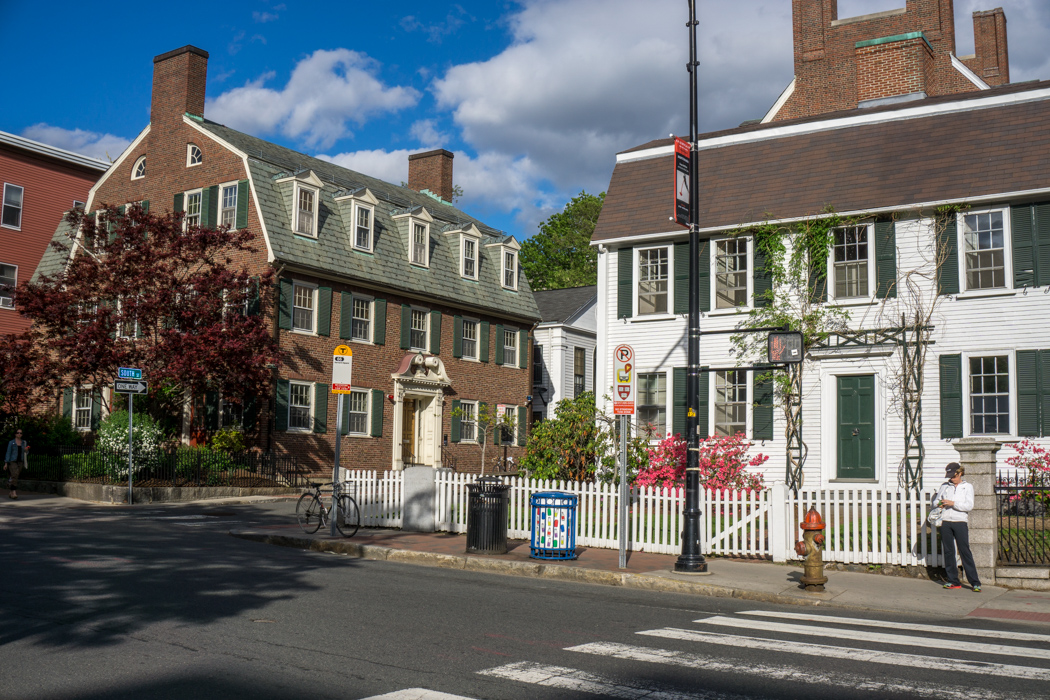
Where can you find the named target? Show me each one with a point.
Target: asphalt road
(159, 602)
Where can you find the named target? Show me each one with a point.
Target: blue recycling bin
(553, 525)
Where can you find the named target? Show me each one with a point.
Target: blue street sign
(129, 373)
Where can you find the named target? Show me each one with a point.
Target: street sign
(784, 347)
(681, 181)
(130, 387)
(342, 368)
(129, 373)
(623, 381)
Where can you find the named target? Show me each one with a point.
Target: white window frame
(140, 162)
(872, 272)
(313, 316)
(637, 278)
(77, 393)
(370, 302)
(749, 402)
(223, 209)
(510, 333)
(122, 324)
(477, 339)
(21, 205)
(310, 398)
(476, 242)
(7, 302)
(186, 207)
(1011, 373)
(367, 393)
(668, 392)
(358, 207)
(413, 225)
(190, 155)
(425, 347)
(512, 410)
(472, 422)
(299, 188)
(77, 204)
(749, 277)
(512, 269)
(1008, 261)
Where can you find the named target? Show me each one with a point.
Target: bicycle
(311, 512)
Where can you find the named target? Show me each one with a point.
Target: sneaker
(951, 586)
(976, 589)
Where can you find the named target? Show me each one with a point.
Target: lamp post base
(690, 564)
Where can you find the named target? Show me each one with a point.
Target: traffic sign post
(624, 386)
(342, 371)
(130, 388)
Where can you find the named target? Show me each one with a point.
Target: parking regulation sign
(623, 381)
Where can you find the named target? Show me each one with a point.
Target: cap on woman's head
(952, 469)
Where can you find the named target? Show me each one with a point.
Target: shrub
(41, 432)
(228, 440)
(113, 442)
(723, 464)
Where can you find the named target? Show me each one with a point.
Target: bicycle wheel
(348, 517)
(308, 512)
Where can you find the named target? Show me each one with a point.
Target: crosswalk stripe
(582, 682)
(879, 657)
(784, 673)
(876, 637)
(936, 629)
(416, 694)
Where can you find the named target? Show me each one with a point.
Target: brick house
(946, 208)
(38, 183)
(431, 301)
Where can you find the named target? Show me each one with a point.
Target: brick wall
(898, 68)
(991, 60)
(432, 171)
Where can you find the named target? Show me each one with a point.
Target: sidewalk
(732, 578)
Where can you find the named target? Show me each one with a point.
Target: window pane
(984, 250)
(510, 347)
(364, 228)
(299, 406)
(305, 215)
(358, 420)
(652, 402)
(418, 339)
(193, 209)
(469, 258)
(419, 244)
(730, 402)
(229, 206)
(579, 371)
(989, 395)
(850, 255)
(510, 272)
(731, 273)
(8, 279)
(361, 323)
(468, 422)
(470, 339)
(303, 309)
(652, 281)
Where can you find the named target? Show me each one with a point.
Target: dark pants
(952, 534)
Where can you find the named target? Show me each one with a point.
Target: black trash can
(487, 503)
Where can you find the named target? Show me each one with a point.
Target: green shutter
(346, 314)
(499, 344)
(324, 311)
(818, 282)
(250, 415)
(178, 206)
(1044, 392)
(435, 332)
(281, 403)
(379, 323)
(377, 412)
(457, 336)
(1029, 386)
(1023, 235)
(210, 206)
(886, 259)
(1041, 241)
(625, 283)
(703, 401)
(763, 280)
(454, 437)
(523, 347)
(145, 206)
(483, 341)
(67, 403)
(321, 407)
(951, 396)
(211, 410)
(242, 204)
(523, 421)
(96, 408)
(704, 275)
(678, 401)
(406, 326)
(762, 412)
(254, 302)
(285, 304)
(681, 278)
(948, 256)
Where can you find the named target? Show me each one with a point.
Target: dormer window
(358, 209)
(193, 155)
(139, 171)
(305, 211)
(363, 227)
(417, 235)
(510, 269)
(420, 243)
(470, 257)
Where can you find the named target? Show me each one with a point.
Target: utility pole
(691, 560)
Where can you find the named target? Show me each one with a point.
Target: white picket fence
(865, 525)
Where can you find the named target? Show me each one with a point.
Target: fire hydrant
(809, 546)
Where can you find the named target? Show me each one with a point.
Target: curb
(525, 569)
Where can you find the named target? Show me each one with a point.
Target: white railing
(378, 495)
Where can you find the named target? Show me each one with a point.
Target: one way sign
(130, 387)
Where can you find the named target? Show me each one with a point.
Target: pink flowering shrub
(723, 463)
(1032, 458)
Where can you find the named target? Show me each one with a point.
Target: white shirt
(962, 495)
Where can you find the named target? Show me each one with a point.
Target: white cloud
(105, 147)
(426, 132)
(326, 92)
(389, 166)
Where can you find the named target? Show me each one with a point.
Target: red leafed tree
(139, 291)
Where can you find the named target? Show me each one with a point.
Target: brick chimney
(432, 171)
(990, 60)
(179, 79)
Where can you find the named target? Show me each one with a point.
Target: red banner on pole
(682, 154)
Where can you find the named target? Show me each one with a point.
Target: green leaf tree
(561, 254)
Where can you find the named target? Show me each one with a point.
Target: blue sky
(534, 97)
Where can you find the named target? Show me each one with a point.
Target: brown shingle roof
(950, 156)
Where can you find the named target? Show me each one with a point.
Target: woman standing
(956, 497)
(13, 461)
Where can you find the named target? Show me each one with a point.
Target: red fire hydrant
(809, 547)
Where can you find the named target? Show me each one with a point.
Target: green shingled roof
(332, 253)
(54, 261)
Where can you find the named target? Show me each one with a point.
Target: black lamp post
(691, 560)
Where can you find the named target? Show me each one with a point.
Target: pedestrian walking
(955, 496)
(14, 460)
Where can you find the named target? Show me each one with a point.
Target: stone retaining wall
(106, 493)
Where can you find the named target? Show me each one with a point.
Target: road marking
(582, 682)
(875, 637)
(879, 657)
(417, 694)
(783, 673)
(935, 629)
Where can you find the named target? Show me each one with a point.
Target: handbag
(936, 516)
